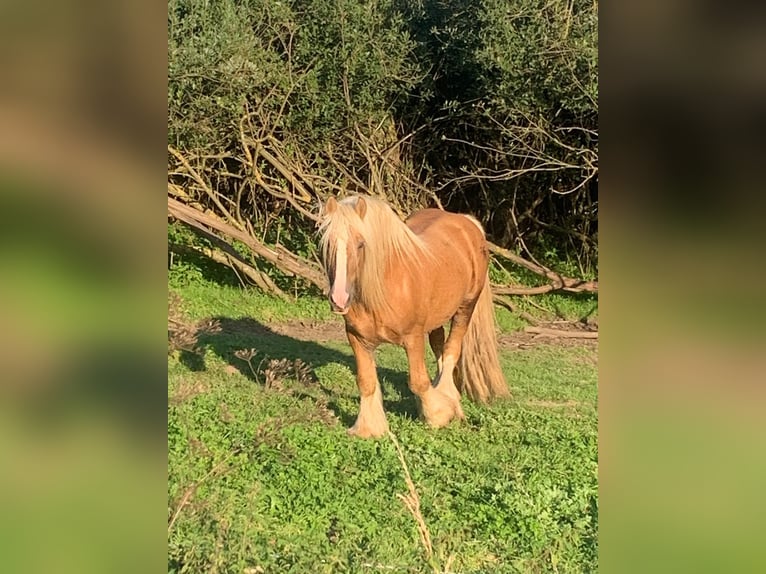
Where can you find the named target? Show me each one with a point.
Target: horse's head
(343, 249)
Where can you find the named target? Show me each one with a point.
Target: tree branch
(287, 262)
(546, 332)
(201, 182)
(258, 277)
(558, 282)
(504, 302)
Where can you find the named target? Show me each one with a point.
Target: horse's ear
(330, 206)
(361, 207)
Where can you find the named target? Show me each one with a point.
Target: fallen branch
(558, 282)
(546, 332)
(201, 182)
(288, 174)
(504, 302)
(294, 265)
(287, 262)
(578, 287)
(258, 277)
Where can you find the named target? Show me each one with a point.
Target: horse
(395, 281)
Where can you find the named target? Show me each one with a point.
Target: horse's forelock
(333, 228)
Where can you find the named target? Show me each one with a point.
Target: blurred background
(681, 385)
(82, 296)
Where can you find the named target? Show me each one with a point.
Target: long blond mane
(387, 241)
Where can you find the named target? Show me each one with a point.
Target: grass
(264, 478)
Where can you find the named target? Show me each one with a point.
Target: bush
(511, 114)
(484, 106)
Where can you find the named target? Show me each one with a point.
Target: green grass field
(263, 478)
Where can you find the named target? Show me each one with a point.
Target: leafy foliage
(541, 57)
(485, 106)
(507, 116)
(316, 67)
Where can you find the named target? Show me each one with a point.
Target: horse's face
(343, 269)
(344, 272)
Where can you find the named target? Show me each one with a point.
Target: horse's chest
(373, 332)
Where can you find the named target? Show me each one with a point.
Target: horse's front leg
(436, 339)
(371, 421)
(437, 408)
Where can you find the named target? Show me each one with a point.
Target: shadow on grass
(246, 333)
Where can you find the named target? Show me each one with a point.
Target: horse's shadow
(231, 336)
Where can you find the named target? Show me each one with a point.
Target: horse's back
(442, 230)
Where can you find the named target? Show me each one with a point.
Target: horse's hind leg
(437, 408)
(436, 339)
(445, 381)
(371, 421)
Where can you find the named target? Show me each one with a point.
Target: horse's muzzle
(339, 301)
(337, 309)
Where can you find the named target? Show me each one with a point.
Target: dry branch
(558, 282)
(287, 262)
(578, 287)
(504, 302)
(258, 277)
(546, 332)
(290, 176)
(189, 492)
(201, 182)
(412, 500)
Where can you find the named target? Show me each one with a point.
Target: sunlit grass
(266, 480)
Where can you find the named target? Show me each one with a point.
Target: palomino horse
(395, 281)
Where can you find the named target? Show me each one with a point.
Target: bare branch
(558, 281)
(505, 302)
(258, 277)
(287, 262)
(205, 187)
(546, 332)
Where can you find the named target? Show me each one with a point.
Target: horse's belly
(444, 299)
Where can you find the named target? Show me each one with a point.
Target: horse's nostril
(339, 299)
(336, 309)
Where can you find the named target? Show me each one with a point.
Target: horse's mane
(387, 239)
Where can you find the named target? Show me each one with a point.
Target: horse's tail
(478, 369)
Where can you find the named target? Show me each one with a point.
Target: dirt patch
(307, 330)
(523, 340)
(322, 331)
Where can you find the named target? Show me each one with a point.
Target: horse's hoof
(365, 432)
(439, 421)
(441, 410)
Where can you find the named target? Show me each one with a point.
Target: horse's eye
(360, 245)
